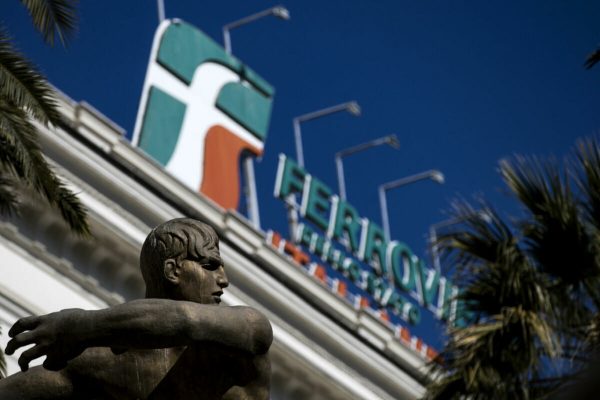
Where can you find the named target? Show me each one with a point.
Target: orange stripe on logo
(222, 151)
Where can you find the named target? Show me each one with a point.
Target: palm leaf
(23, 86)
(501, 287)
(477, 239)
(494, 359)
(592, 59)
(8, 201)
(21, 155)
(587, 176)
(556, 235)
(2, 364)
(559, 237)
(53, 17)
(20, 151)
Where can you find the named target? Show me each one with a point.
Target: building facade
(328, 342)
(323, 348)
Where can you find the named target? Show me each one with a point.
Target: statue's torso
(205, 370)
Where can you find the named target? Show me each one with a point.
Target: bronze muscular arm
(145, 324)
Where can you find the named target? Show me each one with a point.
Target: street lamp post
(352, 107)
(277, 11)
(435, 257)
(432, 174)
(160, 4)
(391, 140)
(249, 178)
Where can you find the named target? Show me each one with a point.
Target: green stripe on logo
(162, 122)
(247, 107)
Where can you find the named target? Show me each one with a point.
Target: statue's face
(202, 281)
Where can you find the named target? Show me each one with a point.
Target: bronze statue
(175, 344)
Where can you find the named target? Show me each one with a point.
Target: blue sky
(462, 84)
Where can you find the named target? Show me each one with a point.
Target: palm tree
(25, 97)
(530, 285)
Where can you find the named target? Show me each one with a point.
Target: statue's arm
(149, 323)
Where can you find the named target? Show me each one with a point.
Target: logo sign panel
(201, 110)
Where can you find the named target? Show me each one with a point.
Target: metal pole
(384, 213)
(483, 214)
(251, 198)
(226, 40)
(298, 140)
(435, 256)
(365, 146)
(392, 140)
(253, 17)
(161, 10)
(292, 211)
(432, 174)
(434, 249)
(340, 174)
(278, 11)
(352, 107)
(248, 164)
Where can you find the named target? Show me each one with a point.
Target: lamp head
(353, 108)
(281, 12)
(393, 141)
(437, 176)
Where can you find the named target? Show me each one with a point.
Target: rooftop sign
(201, 108)
(355, 249)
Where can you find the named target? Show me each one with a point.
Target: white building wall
(31, 287)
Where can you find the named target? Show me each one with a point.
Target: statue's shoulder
(255, 321)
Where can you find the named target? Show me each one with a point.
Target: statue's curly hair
(179, 239)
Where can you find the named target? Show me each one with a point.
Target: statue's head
(180, 260)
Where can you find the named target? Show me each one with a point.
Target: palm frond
(556, 235)
(8, 203)
(53, 18)
(21, 155)
(71, 209)
(536, 183)
(501, 287)
(2, 364)
(493, 359)
(23, 86)
(593, 334)
(20, 150)
(477, 239)
(587, 176)
(592, 59)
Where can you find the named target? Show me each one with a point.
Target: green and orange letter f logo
(200, 110)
